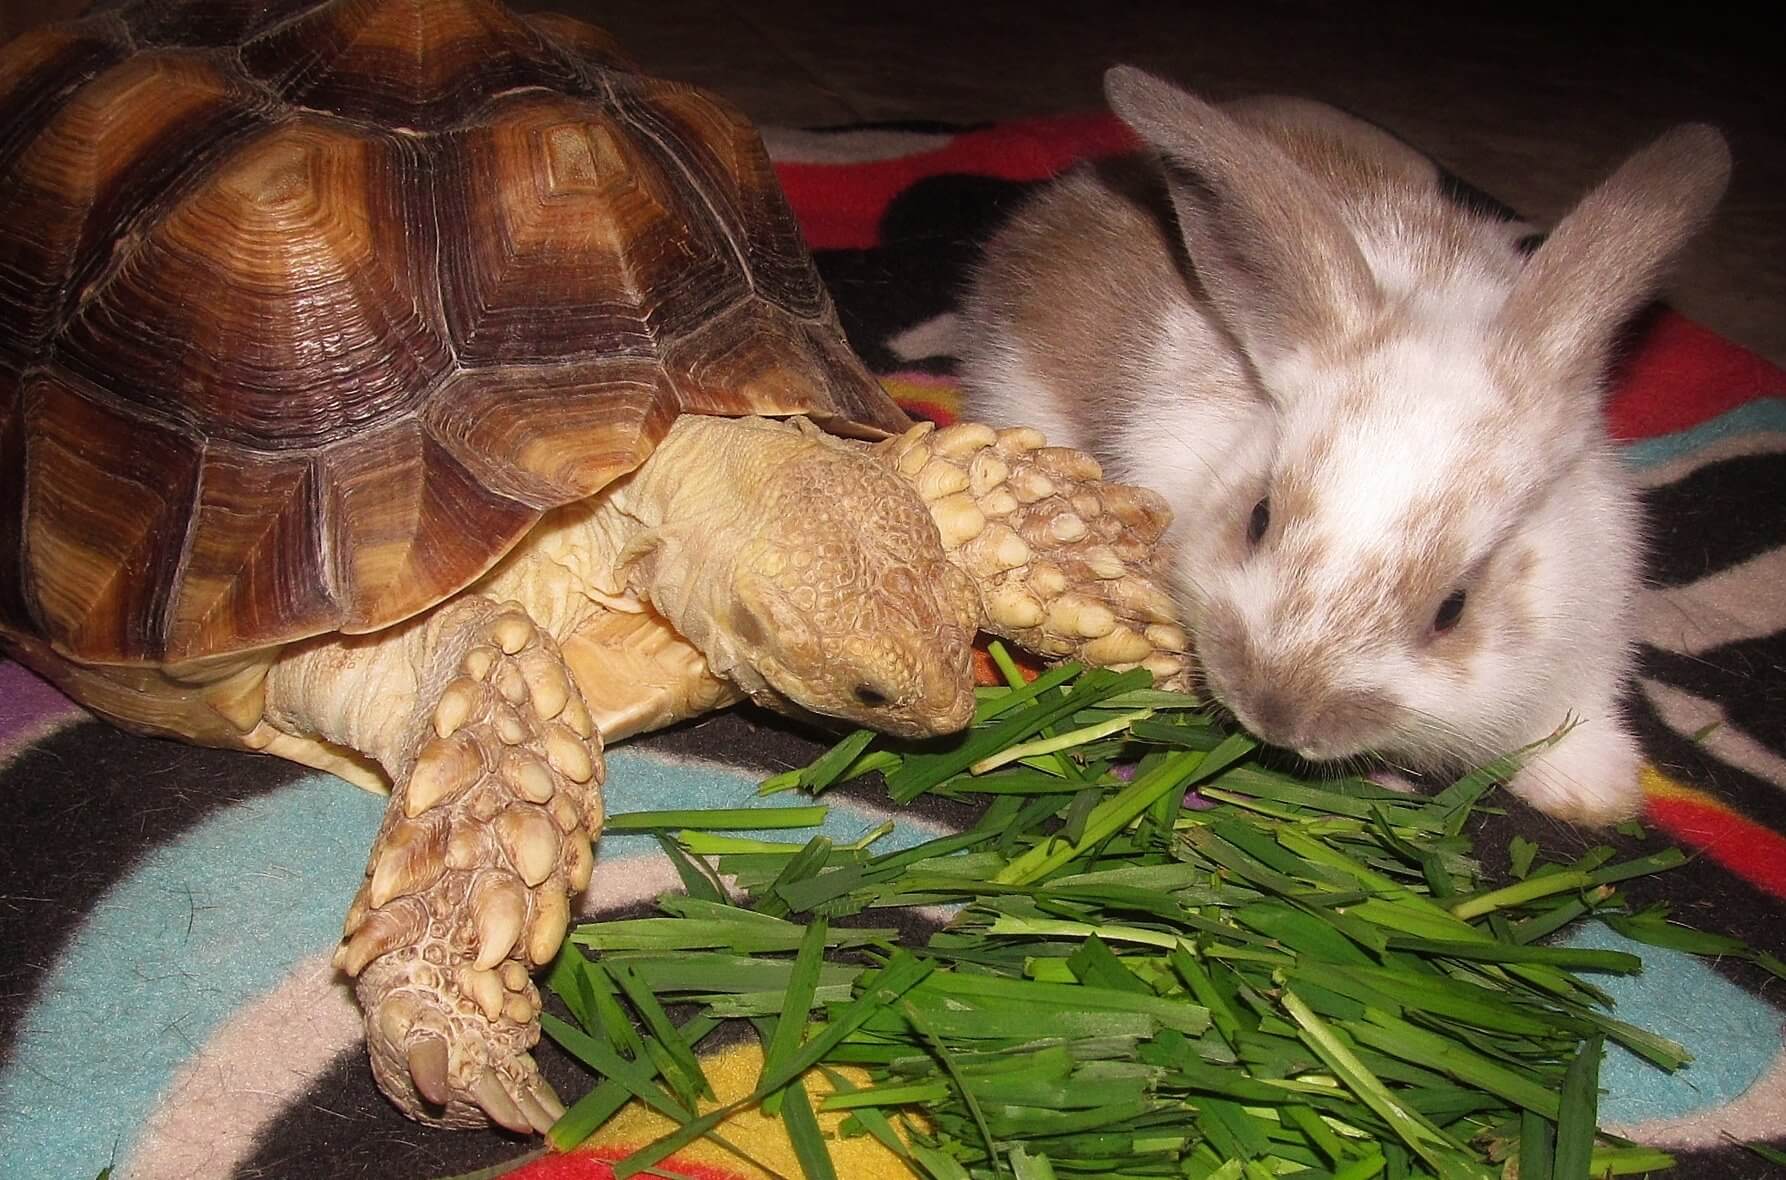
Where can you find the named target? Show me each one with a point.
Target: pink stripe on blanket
(28, 706)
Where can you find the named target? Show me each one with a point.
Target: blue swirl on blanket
(209, 921)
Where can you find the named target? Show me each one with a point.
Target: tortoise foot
(439, 1053)
(1067, 565)
(467, 892)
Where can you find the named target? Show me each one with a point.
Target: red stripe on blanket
(1752, 852)
(1681, 374)
(840, 206)
(586, 1164)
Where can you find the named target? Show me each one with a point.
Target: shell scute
(579, 238)
(110, 498)
(725, 157)
(757, 359)
(211, 24)
(595, 50)
(310, 308)
(408, 524)
(255, 520)
(15, 612)
(308, 321)
(547, 435)
(79, 188)
(38, 68)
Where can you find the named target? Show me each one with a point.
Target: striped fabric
(166, 1003)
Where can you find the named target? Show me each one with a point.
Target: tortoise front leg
(1067, 565)
(495, 799)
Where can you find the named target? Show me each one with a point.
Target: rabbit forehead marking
(1422, 409)
(1438, 257)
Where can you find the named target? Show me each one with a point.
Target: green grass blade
(1772, 1155)
(1057, 743)
(637, 1079)
(718, 819)
(1025, 1166)
(900, 975)
(1519, 893)
(831, 765)
(1628, 1161)
(1119, 810)
(1537, 1145)
(804, 1135)
(1568, 958)
(686, 1065)
(954, 1072)
(921, 772)
(698, 879)
(605, 1101)
(1579, 1115)
(1411, 1043)
(796, 1005)
(1424, 1139)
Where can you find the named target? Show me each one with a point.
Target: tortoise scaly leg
(467, 891)
(1066, 564)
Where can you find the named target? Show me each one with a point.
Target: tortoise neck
(708, 465)
(693, 508)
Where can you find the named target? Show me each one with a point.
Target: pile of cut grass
(1284, 979)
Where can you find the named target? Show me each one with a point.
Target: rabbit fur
(1401, 529)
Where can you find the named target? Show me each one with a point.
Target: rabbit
(1401, 530)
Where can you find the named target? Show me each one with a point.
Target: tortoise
(420, 392)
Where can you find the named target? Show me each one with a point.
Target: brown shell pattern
(309, 310)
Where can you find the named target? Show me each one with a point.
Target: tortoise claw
(541, 1106)
(427, 1060)
(500, 1105)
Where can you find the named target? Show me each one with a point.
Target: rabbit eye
(870, 696)
(1260, 521)
(1450, 611)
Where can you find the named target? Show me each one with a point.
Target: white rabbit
(1401, 527)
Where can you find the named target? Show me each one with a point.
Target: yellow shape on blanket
(1657, 785)
(908, 393)
(734, 1073)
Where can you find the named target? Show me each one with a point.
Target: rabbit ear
(1267, 244)
(1607, 256)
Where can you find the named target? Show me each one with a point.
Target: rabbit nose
(1287, 716)
(1271, 715)
(1319, 723)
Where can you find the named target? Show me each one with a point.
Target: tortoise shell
(309, 310)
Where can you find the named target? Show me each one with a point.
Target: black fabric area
(1715, 517)
(930, 236)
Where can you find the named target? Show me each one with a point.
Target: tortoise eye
(1259, 522)
(870, 696)
(1450, 611)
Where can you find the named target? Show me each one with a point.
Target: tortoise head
(844, 603)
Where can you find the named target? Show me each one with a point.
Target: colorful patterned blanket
(166, 1001)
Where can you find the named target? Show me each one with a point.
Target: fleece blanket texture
(166, 1001)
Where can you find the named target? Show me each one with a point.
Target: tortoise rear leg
(1067, 565)
(496, 797)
